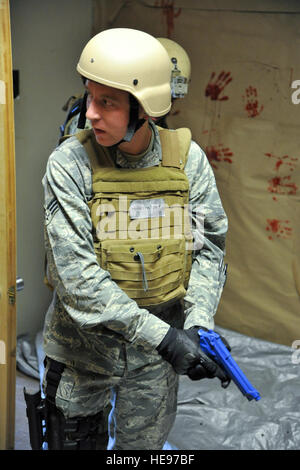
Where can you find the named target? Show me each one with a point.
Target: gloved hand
(182, 350)
(212, 369)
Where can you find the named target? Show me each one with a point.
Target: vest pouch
(150, 271)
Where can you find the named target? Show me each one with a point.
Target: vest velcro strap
(175, 146)
(185, 137)
(170, 148)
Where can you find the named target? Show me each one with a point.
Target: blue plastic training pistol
(212, 344)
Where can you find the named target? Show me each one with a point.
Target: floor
(21, 423)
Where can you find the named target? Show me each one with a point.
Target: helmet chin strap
(82, 118)
(134, 123)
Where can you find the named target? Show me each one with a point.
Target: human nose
(92, 111)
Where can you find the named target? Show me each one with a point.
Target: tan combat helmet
(133, 61)
(181, 67)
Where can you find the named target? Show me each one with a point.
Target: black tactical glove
(181, 349)
(212, 369)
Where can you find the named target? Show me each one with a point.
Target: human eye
(108, 103)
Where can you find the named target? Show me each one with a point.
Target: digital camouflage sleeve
(207, 275)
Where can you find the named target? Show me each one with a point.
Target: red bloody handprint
(283, 161)
(282, 185)
(278, 229)
(252, 105)
(215, 87)
(218, 153)
(169, 13)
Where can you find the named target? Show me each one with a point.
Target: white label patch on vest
(147, 208)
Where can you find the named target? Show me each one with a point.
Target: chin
(104, 139)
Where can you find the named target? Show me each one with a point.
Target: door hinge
(12, 295)
(13, 289)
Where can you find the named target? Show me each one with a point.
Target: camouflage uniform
(93, 327)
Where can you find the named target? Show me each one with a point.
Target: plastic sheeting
(26, 356)
(211, 418)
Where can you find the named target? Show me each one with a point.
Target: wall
(47, 37)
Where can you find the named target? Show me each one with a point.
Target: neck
(139, 142)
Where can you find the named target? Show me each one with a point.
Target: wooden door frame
(7, 236)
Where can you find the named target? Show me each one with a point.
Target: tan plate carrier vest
(140, 217)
